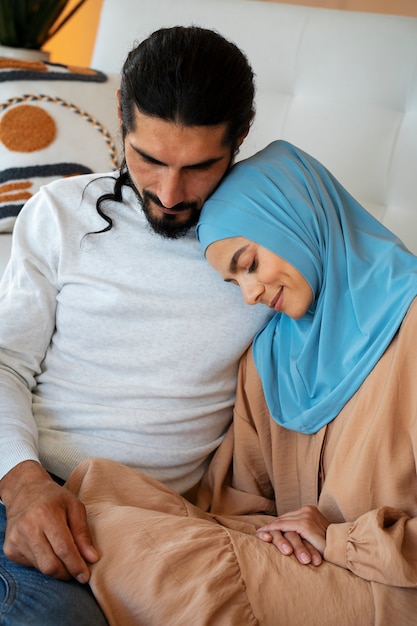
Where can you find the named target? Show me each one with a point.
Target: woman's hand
(301, 532)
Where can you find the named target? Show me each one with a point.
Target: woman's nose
(252, 291)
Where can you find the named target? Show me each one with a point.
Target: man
(117, 339)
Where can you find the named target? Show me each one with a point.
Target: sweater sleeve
(27, 320)
(380, 546)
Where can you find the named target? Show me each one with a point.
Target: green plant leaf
(31, 23)
(8, 35)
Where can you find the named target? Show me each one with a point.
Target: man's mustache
(181, 206)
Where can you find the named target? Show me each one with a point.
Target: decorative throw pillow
(55, 121)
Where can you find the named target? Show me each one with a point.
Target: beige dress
(165, 561)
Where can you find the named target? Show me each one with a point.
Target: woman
(336, 365)
(324, 433)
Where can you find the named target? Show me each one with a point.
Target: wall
(74, 43)
(396, 7)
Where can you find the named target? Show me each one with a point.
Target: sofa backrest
(340, 85)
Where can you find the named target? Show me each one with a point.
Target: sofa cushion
(55, 121)
(341, 85)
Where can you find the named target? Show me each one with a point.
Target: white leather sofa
(338, 84)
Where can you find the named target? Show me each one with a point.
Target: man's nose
(171, 189)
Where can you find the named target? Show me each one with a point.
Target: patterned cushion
(55, 121)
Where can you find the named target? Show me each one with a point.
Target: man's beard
(167, 224)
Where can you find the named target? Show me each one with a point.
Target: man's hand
(46, 524)
(301, 532)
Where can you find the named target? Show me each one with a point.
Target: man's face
(174, 169)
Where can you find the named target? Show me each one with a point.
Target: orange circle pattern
(27, 128)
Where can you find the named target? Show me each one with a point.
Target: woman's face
(262, 276)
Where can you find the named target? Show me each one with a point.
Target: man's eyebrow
(146, 156)
(193, 166)
(235, 258)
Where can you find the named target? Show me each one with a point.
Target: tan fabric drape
(164, 562)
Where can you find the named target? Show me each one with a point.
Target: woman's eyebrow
(235, 258)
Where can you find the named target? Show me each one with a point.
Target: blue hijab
(362, 277)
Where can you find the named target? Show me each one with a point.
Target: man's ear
(245, 134)
(119, 108)
(240, 141)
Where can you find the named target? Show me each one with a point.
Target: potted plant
(29, 24)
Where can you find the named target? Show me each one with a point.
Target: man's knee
(27, 597)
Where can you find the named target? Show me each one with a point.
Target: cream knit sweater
(122, 345)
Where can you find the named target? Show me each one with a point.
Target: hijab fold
(362, 277)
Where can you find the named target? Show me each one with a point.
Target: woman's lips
(277, 301)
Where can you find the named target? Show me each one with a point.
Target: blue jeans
(29, 597)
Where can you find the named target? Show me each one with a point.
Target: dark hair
(186, 75)
(191, 76)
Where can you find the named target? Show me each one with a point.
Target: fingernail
(286, 548)
(263, 534)
(305, 558)
(82, 578)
